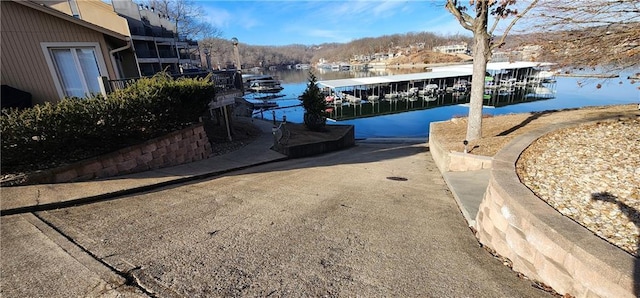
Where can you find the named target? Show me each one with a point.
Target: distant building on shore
(302, 66)
(462, 48)
(523, 53)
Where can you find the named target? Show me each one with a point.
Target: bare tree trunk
(483, 47)
(481, 54)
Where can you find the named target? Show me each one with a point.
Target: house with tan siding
(154, 38)
(53, 55)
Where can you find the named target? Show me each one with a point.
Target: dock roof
(382, 80)
(435, 73)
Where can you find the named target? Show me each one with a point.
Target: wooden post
(226, 121)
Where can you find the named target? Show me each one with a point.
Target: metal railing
(222, 80)
(281, 135)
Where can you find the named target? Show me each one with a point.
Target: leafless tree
(187, 17)
(484, 44)
(592, 33)
(219, 51)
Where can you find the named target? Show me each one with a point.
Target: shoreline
(594, 75)
(426, 67)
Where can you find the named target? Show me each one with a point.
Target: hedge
(76, 128)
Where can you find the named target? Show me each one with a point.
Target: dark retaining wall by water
(302, 145)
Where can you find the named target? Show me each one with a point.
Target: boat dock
(505, 83)
(446, 77)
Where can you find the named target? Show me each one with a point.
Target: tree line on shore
(265, 56)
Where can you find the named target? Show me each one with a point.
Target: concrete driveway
(376, 220)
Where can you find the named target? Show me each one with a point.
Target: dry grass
(500, 130)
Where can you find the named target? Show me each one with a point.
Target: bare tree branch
(187, 18)
(465, 20)
(595, 33)
(513, 22)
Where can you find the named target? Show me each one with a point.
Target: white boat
(508, 82)
(353, 99)
(460, 86)
(429, 98)
(373, 98)
(431, 87)
(392, 95)
(542, 90)
(543, 74)
(261, 84)
(265, 86)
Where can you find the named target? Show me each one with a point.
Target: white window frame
(48, 46)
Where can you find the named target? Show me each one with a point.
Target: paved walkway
(47, 196)
(468, 189)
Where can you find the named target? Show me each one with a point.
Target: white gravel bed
(590, 173)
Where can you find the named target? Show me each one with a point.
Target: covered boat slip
(350, 110)
(386, 85)
(446, 77)
(442, 86)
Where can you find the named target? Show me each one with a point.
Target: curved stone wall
(544, 245)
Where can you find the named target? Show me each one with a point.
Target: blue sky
(315, 22)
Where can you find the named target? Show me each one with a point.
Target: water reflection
(497, 98)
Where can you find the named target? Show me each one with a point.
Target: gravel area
(591, 173)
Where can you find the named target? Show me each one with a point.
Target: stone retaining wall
(544, 245)
(183, 146)
(439, 153)
(460, 162)
(455, 161)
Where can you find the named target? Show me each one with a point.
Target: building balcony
(141, 53)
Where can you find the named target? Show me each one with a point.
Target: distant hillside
(428, 57)
(421, 41)
(265, 56)
(553, 49)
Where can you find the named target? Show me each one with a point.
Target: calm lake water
(414, 121)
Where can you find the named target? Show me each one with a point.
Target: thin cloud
(389, 8)
(217, 17)
(249, 22)
(327, 35)
(373, 9)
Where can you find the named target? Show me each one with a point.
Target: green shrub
(314, 104)
(76, 128)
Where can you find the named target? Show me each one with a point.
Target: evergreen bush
(74, 128)
(314, 104)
